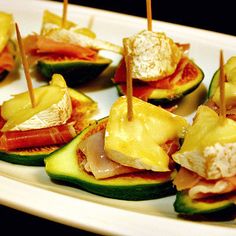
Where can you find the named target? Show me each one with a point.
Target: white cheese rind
(51, 31)
(56, 114)
(153, 55)
(215, 162)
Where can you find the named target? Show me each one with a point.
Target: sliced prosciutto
(40, 47)
(56, 135)
(199, 187)
(184, 73)
(96, 160)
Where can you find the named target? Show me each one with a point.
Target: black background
(211, 15)
(208, 15)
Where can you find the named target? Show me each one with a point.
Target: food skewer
(129, 89)
(128, 65)
(26, 67)
(149, 14)
(64, 14)
(222, 87)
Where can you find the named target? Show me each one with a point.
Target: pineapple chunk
(53, 107)
(209, 147)
(137, 143)
(6, 28)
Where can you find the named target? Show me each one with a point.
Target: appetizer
(206, 181)
(7, 47)
(123, 159)
(161, 70)
(28, 134)
(230, 89)
(71, 51)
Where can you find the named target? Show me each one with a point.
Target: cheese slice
(137, 143)
(6, 28)
(74, 36)
(153, 55)
(53, 107)
(209, 147)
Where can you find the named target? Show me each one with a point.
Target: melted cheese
(209, 147)
(96, 160)
(153, 55)
(137, 143)
(53, 107)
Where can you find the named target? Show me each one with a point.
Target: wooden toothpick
(64, 15)
(129, 92)
(25, 66)
(149, 14)
(222, 87)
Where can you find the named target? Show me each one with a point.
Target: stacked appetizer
(206, 182)
(7, 47)
(70, 51)
(28, 134)
(123, 159)
(162, 72)
(230, 89)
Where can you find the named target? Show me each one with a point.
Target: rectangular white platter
(29, 188)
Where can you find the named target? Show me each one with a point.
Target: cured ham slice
(201, 188)
(56, 135)
(96, 160)
(49, 49)
(6, 60)
(184, 72)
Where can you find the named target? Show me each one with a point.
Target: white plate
(29, 189)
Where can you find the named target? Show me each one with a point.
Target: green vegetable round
(75, 72)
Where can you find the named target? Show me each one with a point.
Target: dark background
(211, 15)
(208, 15)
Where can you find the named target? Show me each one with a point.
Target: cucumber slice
(62, 165)
(75, 72)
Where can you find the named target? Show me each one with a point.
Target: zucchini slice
(75, 72)
(63, 166)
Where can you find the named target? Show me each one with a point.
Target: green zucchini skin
(213, 84)
(22, 158)
(167, 96)
(62, 166)
(211, 209)
(75, 72)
